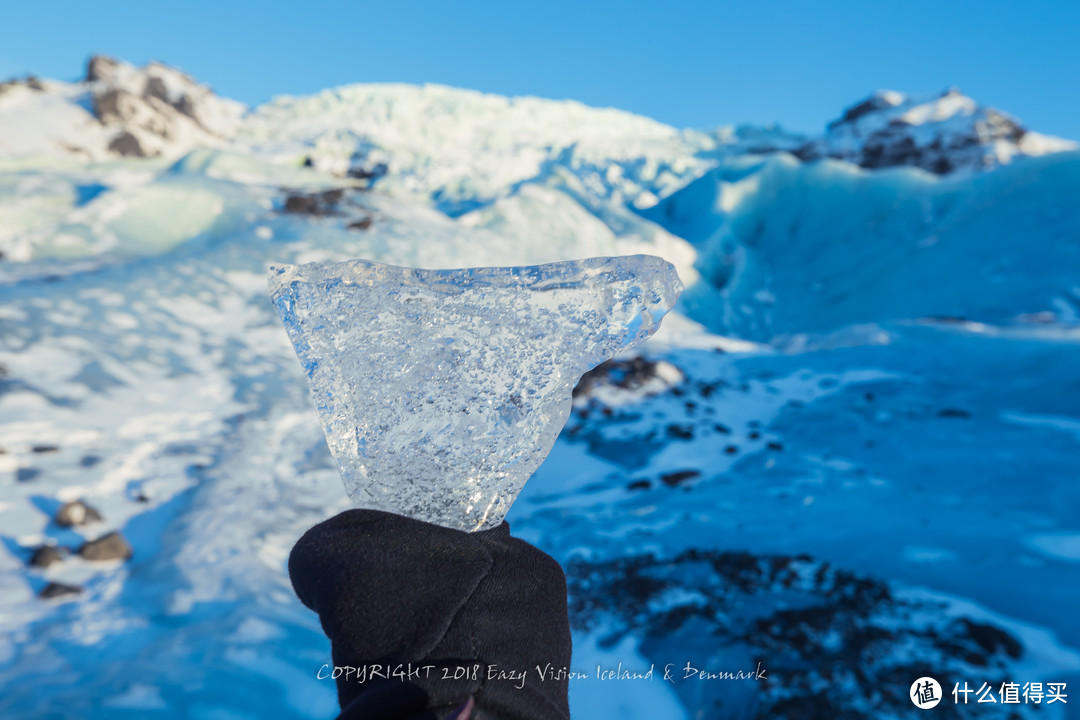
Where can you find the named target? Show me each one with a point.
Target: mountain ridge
(120, 110)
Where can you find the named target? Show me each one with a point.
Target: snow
(898, 347)
(593, 697)
(37, 123)
(486, 143)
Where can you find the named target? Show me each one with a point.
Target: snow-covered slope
(464, 148)
(837, 484)
(117, 110)
(942, 134)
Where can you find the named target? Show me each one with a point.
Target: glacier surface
(813, 392)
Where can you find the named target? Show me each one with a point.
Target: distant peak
(941, 133)
(117, 109)
(101, 67)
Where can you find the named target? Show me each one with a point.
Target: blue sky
(691, 64)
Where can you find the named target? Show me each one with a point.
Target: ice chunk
(442, 391)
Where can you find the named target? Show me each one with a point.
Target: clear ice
(442, 391)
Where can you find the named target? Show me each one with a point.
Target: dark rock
(319, 204)
(45, 449)
(156, 88)
(775, 446)
(875, 102)
(639, 485)
(722, 429)
(76, 513)
(675, 479)
(100, 67)
(47, 555)
(331, 197)
(754, 435)
(186, 106)
(361, 224)
(623, 374)
(56, 590)
(30, 82)
(302, 204)
(362, 172)
(991, 639)
(308, 162)
(731, 449)
(681, 432)
(114, 106)
(127, 145)
(26, 474)
(111, 546)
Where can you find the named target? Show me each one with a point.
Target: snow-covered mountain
(941, 134)
(117, 110)
(849, 454)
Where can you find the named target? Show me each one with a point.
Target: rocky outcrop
(816, 641)
(29, 82)
(116, 110)
(943, 134)
(48, 555)
(630, 377)
(156, 109)
(76, 513)
(337, 202)
(58, 590)
(111, 546)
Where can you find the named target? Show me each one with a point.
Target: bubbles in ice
(442, 391)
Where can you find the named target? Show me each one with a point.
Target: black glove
(466, 618)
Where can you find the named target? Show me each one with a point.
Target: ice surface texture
(442, 391)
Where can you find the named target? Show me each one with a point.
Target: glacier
(788, 248)
(852, 443)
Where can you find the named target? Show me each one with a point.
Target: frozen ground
(868, 407)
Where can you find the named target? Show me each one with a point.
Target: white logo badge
(925, 693)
